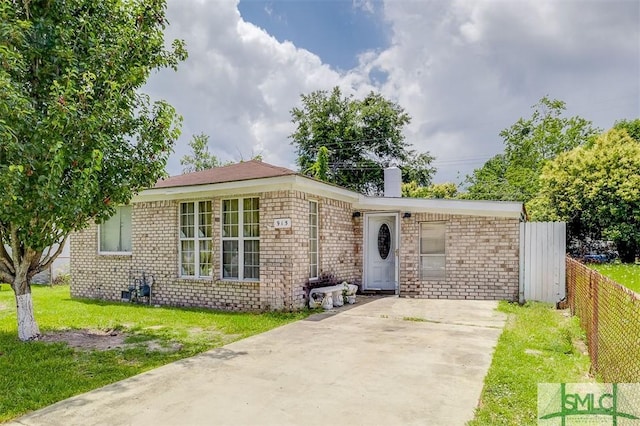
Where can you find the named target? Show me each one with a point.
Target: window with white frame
(115, 233)
(313, 239)
(241, 239)
(195, 239)
(432, 250)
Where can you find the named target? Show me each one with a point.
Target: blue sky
(336, 31)
(463, 70)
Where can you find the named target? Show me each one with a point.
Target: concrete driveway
(388, 361)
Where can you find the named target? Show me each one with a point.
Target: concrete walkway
(390, 361)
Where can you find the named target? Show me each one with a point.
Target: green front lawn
(623, 273)
(538, 345)
(37, 374)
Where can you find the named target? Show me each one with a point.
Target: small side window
(115, 232)
(313, 239)
(432, 250)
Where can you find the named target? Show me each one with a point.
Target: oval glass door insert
(384, 241)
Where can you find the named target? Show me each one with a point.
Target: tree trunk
(27, 326)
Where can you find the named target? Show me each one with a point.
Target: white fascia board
(243, 187)
(462, 207)
(323, 189)
(215, 189)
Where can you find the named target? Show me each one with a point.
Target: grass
(37, 374)
(612, 318)
(623, 273)
(536, 346)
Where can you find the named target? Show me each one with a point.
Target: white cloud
(463, 70)
(466, 70)
(364, 5)
(238, 84)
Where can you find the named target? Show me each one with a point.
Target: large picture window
(115, 233)
(313, 239)
(432, 250)
(195, 239)
(241, 239)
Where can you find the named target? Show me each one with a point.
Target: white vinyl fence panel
(542, 261)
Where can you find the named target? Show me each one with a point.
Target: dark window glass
(384, 241)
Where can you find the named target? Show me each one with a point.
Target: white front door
(381, 254)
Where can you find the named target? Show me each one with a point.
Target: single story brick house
(253, 236)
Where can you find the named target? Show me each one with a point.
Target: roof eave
(322, 189)
(447, 206)
(249, 186)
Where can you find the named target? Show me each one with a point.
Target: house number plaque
(282, 223)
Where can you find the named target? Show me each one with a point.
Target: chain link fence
(610, 315)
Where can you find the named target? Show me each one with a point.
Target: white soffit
(424, 205)
(244, 187)
(322, 189)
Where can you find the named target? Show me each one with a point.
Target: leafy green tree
(78, 137)
(490, 182)
(320, 169)
(201, 158)
(435, 190)
(418, 169)
(632, 127)
(529, 143)
(362, 137)
(596, 190)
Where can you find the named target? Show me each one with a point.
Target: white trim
(196, 241)
(442, 255)
(251, 186)
(114, 253)
(240, 239)
(365, 245)
(522, 264)
(319, 189)
(462, 207)
(317, 239)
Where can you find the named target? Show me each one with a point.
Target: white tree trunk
(27, 326)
